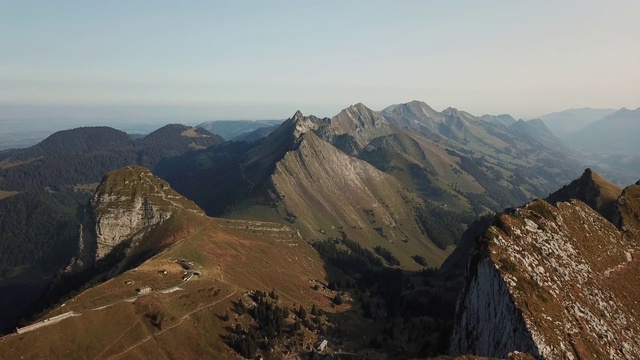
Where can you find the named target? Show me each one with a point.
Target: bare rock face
(127, 204)
(557, 282)
(119, 223)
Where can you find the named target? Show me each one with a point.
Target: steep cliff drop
(557, 282)
(127, 204)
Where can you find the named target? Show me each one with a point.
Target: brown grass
(234, 256)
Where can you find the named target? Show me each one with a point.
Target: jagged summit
(357, 117)
(593, 190)
(297, 115)
(303, 124)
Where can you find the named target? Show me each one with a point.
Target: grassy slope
(234, 256)
(328, 191)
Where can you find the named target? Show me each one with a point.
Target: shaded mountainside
(194, 319)
(230, 129)
(325, 192)
(504, 119)
(538, 132)
(84, 155)
(567, 122)
(256, 134)
(593, 190)
(77, 141)
(38, 236)
(555, 281)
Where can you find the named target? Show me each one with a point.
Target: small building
(128, 282)
(322, 345)
(162, 272)
(144, 290)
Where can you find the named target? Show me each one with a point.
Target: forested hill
(82, 156)
(76, 141)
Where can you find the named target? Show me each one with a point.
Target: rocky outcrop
(128, 203)
(593, 190)
(557, 282)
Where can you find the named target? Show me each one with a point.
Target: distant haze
(264, 60)
(564, 123)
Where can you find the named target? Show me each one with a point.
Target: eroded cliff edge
(558, 282)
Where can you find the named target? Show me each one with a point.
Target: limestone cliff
(558, 282)
(127, 204)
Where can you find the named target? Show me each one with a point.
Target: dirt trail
(174, 325)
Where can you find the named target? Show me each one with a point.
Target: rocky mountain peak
(304, 124)
(450, 111)
(357, 117)
(593, 190)
(411, 114)
(127, 203)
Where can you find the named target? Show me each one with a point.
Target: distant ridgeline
(82, 156)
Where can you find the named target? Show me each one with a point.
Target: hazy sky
(266, 59)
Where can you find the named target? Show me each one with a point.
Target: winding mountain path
(184, 317)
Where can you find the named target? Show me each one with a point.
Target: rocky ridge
(555, 282)
(325, 192)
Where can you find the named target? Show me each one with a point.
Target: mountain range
(361, 229)
(236, 129)
(433, 173)
(616, 133)
(567, 122)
